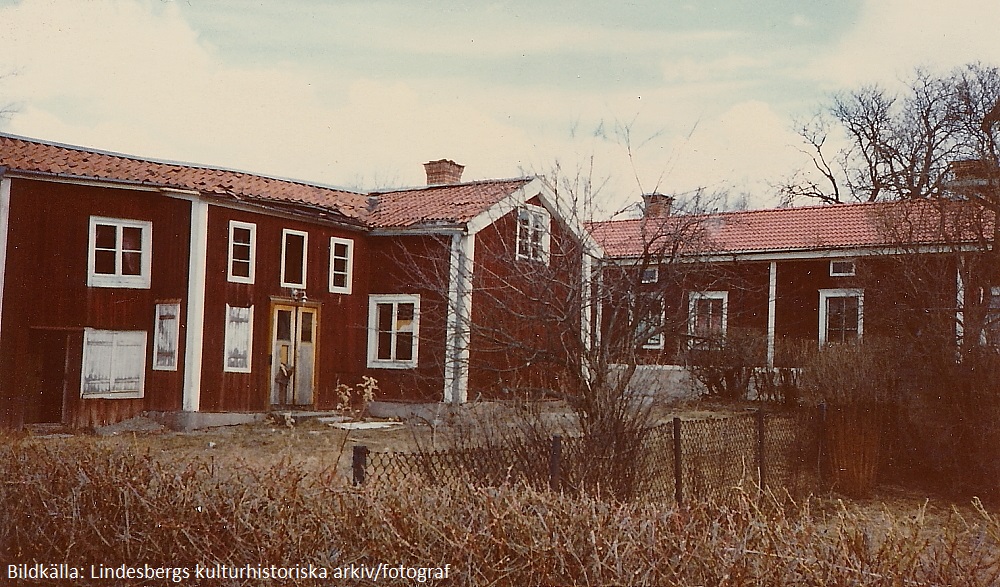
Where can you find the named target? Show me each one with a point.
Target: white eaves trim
(556, 208)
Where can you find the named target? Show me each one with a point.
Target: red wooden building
(132, 285)
(794, 279)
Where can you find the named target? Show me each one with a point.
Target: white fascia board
(520, 196)
(800, 255)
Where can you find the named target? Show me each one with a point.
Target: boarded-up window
(393, 325)
(242, 251)
(239, 338)
(341, 264)
(533, 233)
(166, 334)
(114, 364)
(293, 258)
(120, 253)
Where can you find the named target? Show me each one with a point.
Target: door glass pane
(307, 327)
(284, 325)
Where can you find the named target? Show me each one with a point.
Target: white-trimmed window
(242, 251)
(341, 265)
(649, 326)
(841, 315)
(239, 339)
(533, 233)
(294, 246)
(650, 275)
(708, 314)
(120, 253)
(393, 330)
(114, 364)
(842, 268)
(166, 334)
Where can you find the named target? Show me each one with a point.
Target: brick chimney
(656, 205)
(443, 172)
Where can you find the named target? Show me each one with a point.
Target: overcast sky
(361, 93)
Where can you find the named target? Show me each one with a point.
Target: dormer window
(842, 268)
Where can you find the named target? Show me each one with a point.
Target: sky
(641, 96)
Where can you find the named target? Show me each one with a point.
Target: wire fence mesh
(678, 460)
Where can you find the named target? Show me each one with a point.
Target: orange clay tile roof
(434, 205)
(440, 204)
(842, 226)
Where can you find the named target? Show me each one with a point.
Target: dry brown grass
(277, 498)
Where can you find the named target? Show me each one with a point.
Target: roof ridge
(186, 164)
(524, 178)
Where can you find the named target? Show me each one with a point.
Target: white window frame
(656, 341)
(851, 273)
(233, 226)
(650, 275)
(119, 363)
(285, 233)
(826, 294)
(539, 222)
(694, 297)
(349, 272)
(166, 342)
(992, 319)
(118, 279)
(245, 342)
(374, 300)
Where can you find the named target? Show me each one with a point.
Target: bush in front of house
(83, 501)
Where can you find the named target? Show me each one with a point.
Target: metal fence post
(678, 472)
(555, 463)
(761, 470)
(359, 463)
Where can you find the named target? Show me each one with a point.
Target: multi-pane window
(120, 253)
(114, 364)
(239, 339)
(842, 268)
(341, 264)
(165, 336)
(841, 315)
(533, 233)
(393, 325)
(649, 326)
(707, 315)
(293, 258)
(242, 251)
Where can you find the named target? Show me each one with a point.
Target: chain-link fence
(678, 460)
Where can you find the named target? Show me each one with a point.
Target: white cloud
(894, 36)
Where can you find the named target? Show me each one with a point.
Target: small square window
(841, 268)
(393, 326)
(650, 275)
(120, 253)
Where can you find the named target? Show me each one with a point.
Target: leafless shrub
(82, 502)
